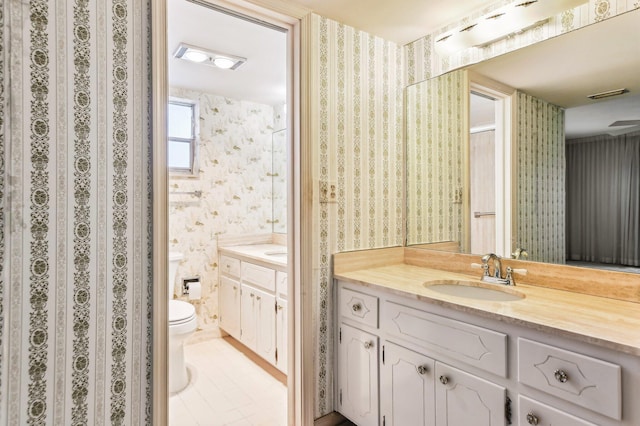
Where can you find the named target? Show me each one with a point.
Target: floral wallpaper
(235, 182)
(76, 293)
(435, 141)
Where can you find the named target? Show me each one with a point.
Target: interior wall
(435, 153)
(235, 167)
(540, 180)
(358, 146)
(76, 282)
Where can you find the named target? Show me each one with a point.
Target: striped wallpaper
(540, 180)
(357, 140)
(75, 188)
(435, 140)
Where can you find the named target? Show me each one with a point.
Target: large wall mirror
(571, 163)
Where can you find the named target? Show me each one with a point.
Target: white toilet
(182, 322)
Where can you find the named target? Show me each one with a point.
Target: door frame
(300, 380)
(504, 156)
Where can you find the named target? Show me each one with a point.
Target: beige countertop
(602, 321)
(270, 254)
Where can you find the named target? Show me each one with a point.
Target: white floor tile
(227, 388)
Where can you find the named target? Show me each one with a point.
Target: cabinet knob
(251, 295)
(258, 298)
(444, 380)
(561, 376)
(235, 287)
(368, 345)
(356, 307)
(422, 369)
(532, 419)
(280, 307)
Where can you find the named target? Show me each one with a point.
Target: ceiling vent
(204, 56)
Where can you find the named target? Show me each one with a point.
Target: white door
(265, 306)
(406, 387)
(358, 376)
(463, 399)
(281, 335)
(229, 306)
(248, 317)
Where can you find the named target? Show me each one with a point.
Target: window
(181, 131)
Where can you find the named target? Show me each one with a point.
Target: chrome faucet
(497, 270)
(518, 253)
(497, 265)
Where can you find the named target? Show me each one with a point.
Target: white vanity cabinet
(439, 366)
(229, 298)
(407, 391)
(252, 307)
(358, 380)
(229, 306)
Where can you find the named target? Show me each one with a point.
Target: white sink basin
(474, 290)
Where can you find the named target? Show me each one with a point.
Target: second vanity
(408, 354)
(252, 298)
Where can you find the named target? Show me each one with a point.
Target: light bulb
(222, 62)
(195, 56)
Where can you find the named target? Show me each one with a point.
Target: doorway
(164, 186)
(490, 167)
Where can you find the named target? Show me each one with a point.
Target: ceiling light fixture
(607, 94)
(200, 55)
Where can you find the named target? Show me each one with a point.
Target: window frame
(194, 141)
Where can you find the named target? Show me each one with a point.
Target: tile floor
(227, 388)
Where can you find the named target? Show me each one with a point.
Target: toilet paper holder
(186, 282)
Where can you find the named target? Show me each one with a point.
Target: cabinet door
(406, 387)
(358, 376)
(463, 399)
(229, 306)
(282, 342)
(248, 317)
(265, 307)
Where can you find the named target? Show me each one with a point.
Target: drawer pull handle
(561, 376)
(368, 345)
(356, 307)
(422, 369)
(444, 380)
(532, 419)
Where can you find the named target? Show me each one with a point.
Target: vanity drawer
(582, 380)
(230, 266)
(259, 275)
(359, 307)
(476, 346)
(531, 412)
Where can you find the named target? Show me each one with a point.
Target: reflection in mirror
(552, 95)
(279, 181)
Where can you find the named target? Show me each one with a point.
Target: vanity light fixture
(500, 23)
(204, 56)
(607, 94)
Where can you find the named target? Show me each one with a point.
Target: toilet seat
(182, 317)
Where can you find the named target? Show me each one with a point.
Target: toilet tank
(174, 260)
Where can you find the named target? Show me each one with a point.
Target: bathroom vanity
(253, 298)
(453, 354)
